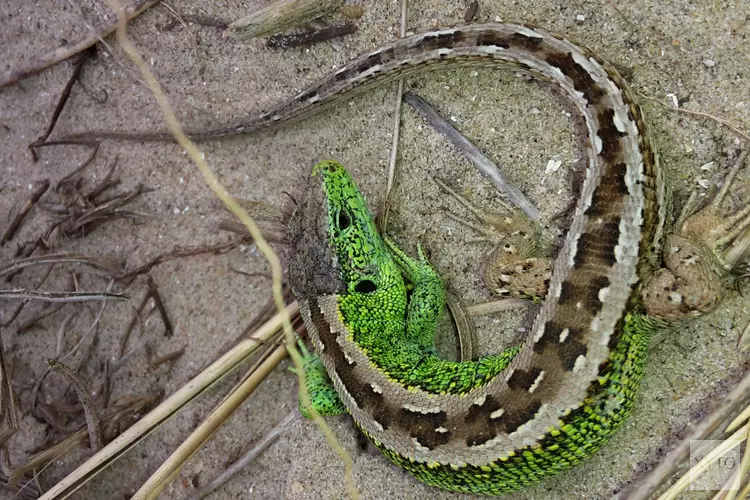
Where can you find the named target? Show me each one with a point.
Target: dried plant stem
(59, 258)
(92, 422)
(18, 219)
(391, 179)
(701, 114)
(485, 166)
(727, 444)
(70, 49)
(167, 408)
(496, 306)
(23, 294)
(273, 260)
(240, 464)
(172, 466)
(280, 16)
(674, 460)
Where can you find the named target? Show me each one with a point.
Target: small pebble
(704, 183)
(580, 18)
(552, 166)
(709, 63)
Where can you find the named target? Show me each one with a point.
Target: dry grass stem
(172, 466)
(675, 459)
(485, 166)
(40, 63)
(279, 16)
(211, 375)
(241, 463)
(92, 421)
(24, 294)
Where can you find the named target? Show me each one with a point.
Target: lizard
(507, 420)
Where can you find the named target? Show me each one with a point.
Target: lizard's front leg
(426, 300)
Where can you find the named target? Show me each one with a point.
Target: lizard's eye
(343, 220)
(365, 286)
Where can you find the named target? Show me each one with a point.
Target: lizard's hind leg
(426, 300)
(513, 268)
(698, 255)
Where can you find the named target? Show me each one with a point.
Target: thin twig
(79, 168)
(8, 417)
(178, 253)
(154, 292)
(61, 332)
(251, 455)
(136, 317)
(18, 219)
(38, 64)
(24, 294)
(195, 19)
(485, 166)
(166, 358)
(85, 56)
(93, 327)
(92, 422)
(701, 114)
(391, 180)
(311, 37)
(58, 258)
(496, 306)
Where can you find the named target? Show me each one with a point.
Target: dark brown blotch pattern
(597, 247)
(582, 81)
(479, 424)
(515, 419)
(610, 135)
(422, 427)
(522, 380)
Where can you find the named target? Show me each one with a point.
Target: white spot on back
(490, 49)
(603, 294)
(529, 32)
(619, 122)
(580, 363)
(424, 411)
(564, 335)
(497, 413)
(376, 388)
(536, 382)
(480, 400)
(598, 144)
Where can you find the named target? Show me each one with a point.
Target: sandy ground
(696, 51)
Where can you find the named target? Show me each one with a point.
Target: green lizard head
(335, 243)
